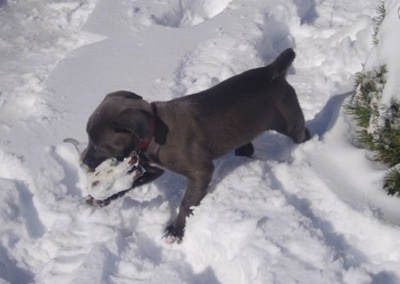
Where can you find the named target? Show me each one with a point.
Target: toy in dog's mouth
(111, 179)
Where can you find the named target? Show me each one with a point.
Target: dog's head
(116, 128)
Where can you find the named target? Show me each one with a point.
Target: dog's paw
(173, 235)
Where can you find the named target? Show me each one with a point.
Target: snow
(309, 213)
(111, 177)
(382, 54)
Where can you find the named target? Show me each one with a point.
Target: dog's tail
(281, 64)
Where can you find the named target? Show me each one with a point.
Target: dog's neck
(145, 143)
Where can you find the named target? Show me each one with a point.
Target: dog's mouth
(121, 158)
(92, 164)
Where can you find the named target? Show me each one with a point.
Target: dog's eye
(119, 129)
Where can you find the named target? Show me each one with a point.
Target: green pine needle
(392, 182)
(379, 19)
(383, 138)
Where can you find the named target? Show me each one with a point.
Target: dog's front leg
(198, 182)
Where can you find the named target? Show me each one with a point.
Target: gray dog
(185, 135)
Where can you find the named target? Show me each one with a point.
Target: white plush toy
(111, 179)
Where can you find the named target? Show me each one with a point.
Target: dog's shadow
(324, 121)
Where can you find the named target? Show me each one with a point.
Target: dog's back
(242, 107)
(247, 84)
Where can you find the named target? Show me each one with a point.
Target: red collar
(145, 143)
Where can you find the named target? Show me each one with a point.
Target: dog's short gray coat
(185, 135)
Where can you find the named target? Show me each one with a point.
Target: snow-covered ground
(310, 213)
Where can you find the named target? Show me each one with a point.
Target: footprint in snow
(189, 13)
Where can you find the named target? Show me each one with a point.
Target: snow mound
(189, 13)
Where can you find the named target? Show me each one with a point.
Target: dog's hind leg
(298, 132)
(246, 150)
(291, 117)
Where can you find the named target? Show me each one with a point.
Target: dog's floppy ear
(138, 122)
(161, 132)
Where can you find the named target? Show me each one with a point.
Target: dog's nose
(86, 161)
(91, 163)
